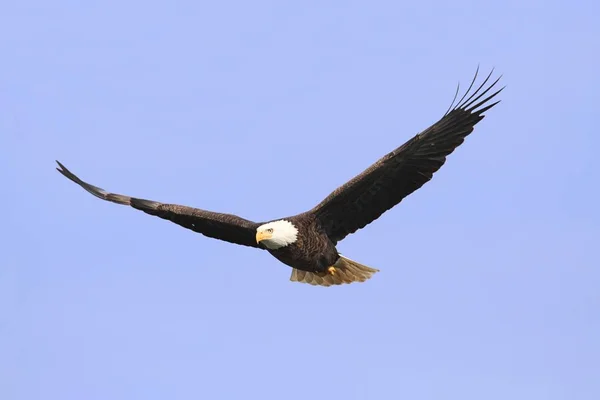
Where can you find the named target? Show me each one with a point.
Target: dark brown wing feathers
(227, 227)
(399, 173)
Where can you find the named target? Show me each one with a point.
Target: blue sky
(489, 274)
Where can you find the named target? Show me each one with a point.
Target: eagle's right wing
(396, 175)
(227, 227)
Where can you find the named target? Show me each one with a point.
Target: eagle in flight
(307, 242)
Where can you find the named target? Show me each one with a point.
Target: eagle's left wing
(396, 175)
(227, 227)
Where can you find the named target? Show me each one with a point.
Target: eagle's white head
(276, 234)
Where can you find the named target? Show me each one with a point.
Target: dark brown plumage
(396, 175)
(227, 227)
(307, 241)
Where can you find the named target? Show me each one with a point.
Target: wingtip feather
(470, 100)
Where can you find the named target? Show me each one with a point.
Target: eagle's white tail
(346, 271)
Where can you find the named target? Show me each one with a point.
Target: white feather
(284, 233)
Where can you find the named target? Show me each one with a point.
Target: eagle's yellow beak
(260, 236)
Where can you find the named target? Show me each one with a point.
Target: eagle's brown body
(313, 251)
(307, 242)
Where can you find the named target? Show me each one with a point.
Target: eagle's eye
(270, 230)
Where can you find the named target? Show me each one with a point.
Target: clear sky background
(490, 275)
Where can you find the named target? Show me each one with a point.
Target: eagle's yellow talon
(331, 270)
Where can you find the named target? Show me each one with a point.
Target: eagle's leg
(331, 270)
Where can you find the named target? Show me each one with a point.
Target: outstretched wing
(227, 227)
(384, 184)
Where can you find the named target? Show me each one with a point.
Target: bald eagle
(307, 242)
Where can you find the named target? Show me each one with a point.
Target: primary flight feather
(307, 242)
